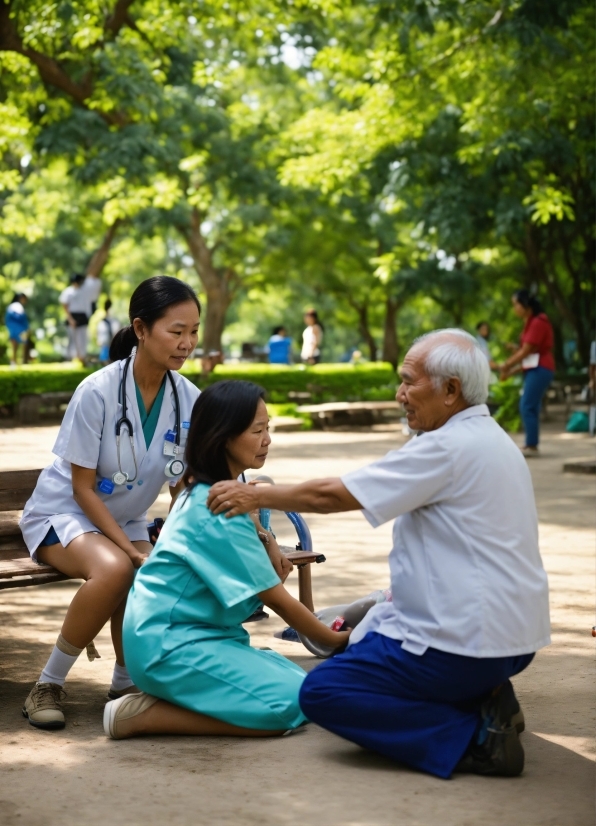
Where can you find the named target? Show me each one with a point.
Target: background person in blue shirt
(18, 325)
(279, 346)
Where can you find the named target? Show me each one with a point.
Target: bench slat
(22, 567)
(15, 499)
(18, 479)
(9, 523)
(37, 579)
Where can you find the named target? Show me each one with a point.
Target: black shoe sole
(48, 726)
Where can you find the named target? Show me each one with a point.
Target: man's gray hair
(453, 353)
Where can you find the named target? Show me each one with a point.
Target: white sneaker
(117, 711)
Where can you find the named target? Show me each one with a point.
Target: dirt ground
(77, 776)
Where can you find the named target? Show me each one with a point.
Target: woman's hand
(137, 558)
(283, 566)
(297, 616)
(342, 643)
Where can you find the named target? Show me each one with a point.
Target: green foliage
(506, 395)
(53, 378)
(324, 382)
(379, 160)
(290, 410)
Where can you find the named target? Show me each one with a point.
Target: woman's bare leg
(15, 350)
(164, 718)
(108, 573)
(118, 615)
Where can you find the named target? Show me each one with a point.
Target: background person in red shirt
(535, 359)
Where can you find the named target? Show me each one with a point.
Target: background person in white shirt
(79, 301)
(425, 679)
(312, 338)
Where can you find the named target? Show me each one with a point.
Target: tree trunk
(365, 332)
(101, 254)
(390, 343)
(216, 282)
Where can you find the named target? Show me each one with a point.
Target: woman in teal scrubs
(184, 642)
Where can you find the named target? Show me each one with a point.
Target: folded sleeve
(79, 438)
(416, 475)
(230, 559)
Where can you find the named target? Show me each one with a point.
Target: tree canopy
(401, 165)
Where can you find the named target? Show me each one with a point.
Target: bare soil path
(77, 776)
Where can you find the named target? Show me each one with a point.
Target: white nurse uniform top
(466, 572)
(87, 438)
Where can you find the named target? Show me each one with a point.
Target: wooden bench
(17, 569)
(335, 414)
(31, 406)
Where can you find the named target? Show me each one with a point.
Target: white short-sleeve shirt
(466, 572)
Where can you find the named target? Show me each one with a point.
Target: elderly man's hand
(232, 498)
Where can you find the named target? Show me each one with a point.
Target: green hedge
(36, 378)
(325, 382)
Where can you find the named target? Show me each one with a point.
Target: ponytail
(122, 343)
(529, 301)
(149, 302)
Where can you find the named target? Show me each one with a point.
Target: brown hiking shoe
(43, 706)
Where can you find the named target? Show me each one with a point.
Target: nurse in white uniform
(122, 437)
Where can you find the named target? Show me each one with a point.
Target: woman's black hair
(222, 412)
(17, 297)
(529, 301)
(315, 315)
(150, 301)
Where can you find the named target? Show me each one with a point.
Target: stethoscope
(175, 466)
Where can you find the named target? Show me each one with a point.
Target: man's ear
(452, 391)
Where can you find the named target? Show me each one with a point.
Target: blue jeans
(420, 710)
(536, 382)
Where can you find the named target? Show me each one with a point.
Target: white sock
(120, 678)
(57, 667)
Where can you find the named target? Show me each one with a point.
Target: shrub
(506, 395)
(324, 382)
(35, 378)
(374, 381)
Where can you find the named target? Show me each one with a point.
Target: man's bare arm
(316, 496)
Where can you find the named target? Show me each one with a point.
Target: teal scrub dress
(183, 637)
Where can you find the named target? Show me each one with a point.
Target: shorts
(51, 538)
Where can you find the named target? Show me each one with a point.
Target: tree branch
(118, 18)
(50, 71)
(100, 256)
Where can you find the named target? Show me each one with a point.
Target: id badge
(169, 448)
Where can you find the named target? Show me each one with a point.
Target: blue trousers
(420, 710)
(536, 382)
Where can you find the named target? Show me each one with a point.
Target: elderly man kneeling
(426, 678)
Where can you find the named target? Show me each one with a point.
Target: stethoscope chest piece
(174, 468)
(120, 478)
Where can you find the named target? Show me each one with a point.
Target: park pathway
(77, 776)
